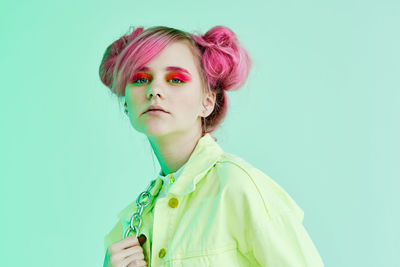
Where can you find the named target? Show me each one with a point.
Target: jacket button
(173, 202)
(161, 254)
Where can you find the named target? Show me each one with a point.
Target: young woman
(207, 207)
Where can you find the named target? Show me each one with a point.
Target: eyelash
(168, 80)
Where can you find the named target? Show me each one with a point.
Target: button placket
(164, 211)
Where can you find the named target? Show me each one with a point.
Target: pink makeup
(179, 76)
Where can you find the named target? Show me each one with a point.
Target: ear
(208, 103)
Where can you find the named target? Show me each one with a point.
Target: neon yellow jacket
(221, 211)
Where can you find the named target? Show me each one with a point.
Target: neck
(174, 150)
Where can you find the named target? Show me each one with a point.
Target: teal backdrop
(319, 114)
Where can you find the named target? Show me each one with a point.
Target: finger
(127, 242)
(121, 255)
(133, 264)
(138, 250)
(133, 259)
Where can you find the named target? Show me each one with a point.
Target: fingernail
(142, 238)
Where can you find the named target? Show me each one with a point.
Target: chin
(151, 129)
(157, 131)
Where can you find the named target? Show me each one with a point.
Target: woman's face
(165, 82)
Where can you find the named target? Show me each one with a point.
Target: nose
(152, 91)
(151, 95)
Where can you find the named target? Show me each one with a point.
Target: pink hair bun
(225, 61)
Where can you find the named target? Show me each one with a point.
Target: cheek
(135, 100)
(188, 106)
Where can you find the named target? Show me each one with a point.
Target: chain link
(141, 203)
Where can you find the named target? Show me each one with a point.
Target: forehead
(175, 54)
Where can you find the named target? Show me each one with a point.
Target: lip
(158, 108)
(154, 112)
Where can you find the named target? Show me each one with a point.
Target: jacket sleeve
(106, 259)
(272, 221)
(281, 241)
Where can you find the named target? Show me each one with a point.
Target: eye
(177, 78)
(143, 78)
(140, 78)
(137, 81)
(179, 81)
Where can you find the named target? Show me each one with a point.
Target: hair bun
(219, 37)
(113, 50)
(225, 61)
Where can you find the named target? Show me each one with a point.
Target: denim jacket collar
(203, 157)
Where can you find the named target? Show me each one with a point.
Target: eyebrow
(171, 68)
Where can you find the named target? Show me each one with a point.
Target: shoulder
(253, 185)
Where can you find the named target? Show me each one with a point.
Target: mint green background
(319, 114)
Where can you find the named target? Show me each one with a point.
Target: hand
(127, 253)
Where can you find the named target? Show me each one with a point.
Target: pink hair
(223, 63)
